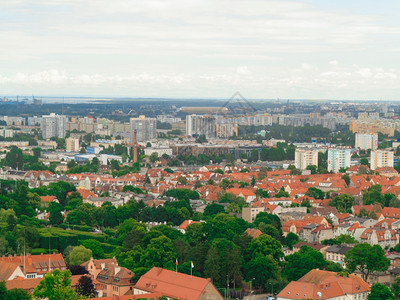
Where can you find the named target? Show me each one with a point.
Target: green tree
(153, 157)
(213, 209)
(264, 245)
(55, 286)
(379, 292)
(282, 193)
(14, 158)
(366, 259)
(374, 195)
(346, 178)
(396, 288)
(223, 261)
(291, 239)
(160, 253)
(182, 180)
(300, 263)
(346, 239)
(96, 248)
(79, 255)
(364, 162)
(262, 193)
(55, 210)
(262, 268)
(312, 168)
(315, 193)
(343, 202)
(85, 287)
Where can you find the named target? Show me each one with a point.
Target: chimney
(134, 146)
(103, 265)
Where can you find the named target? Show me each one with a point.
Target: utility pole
(227, 286)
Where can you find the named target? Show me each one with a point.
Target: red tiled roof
(47, 198)
(172, 284)
(253, 232)
(318, 284)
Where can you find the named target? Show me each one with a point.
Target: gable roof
(319, 284)
(173, 284)
(7, 269)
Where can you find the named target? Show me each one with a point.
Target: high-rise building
(365, 141)
(145, 128)
(201, 125)
(72, 144)
(306, 157)
(53, 126)
(338, 158)
(381, 158)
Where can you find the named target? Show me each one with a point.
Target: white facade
(381, 158)
(196, 124)
(365, 141)
(53, 125)
(7, 133)
(160, 151)
(338, 158)
(306, 157)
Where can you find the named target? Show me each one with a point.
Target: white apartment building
(160, 151)
(381, 158)
(365, 141)
(53, 125)
(198, 124)
(145, 127)
(306, 157)
(7, 133)
(338, 158)
(72, 144)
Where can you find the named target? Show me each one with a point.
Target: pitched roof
(253, 232)
(7, 269)
(186, 223)
(36, 263)
(47, 198)
(319, 284)
(173, 284)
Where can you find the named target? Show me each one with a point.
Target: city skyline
(208, 49)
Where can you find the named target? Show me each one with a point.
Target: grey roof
(339, 249)
(344, 225)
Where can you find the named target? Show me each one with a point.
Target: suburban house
(115, 280)
(34, 266)
(319, 284)
(336, 254)
(175, 285)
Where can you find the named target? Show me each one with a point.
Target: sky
(314, 49)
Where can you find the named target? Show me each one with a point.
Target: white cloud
(193, 48)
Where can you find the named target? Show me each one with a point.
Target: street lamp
(272, 285)
(251, 288)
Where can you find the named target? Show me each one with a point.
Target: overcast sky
(318, 49)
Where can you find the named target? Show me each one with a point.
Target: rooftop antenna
(62, 107)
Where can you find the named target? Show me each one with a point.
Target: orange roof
(186, 223)
(253, 232)
(48, 198)
(85, 193)
(36, 263)
(7, 269)
(318, 284)
(173, 284)
(391, 212)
